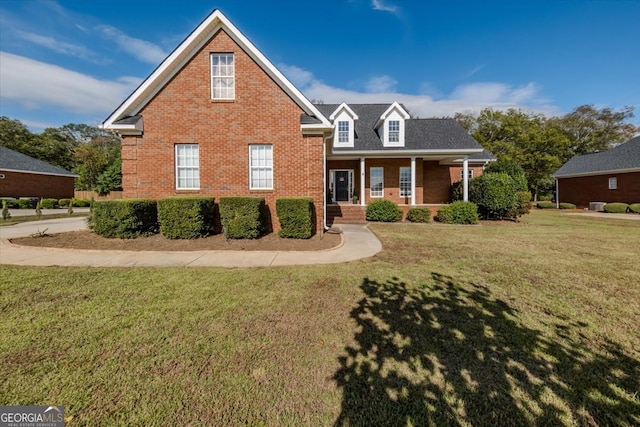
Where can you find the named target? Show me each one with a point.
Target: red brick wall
(582, 190)
(16, 184)
(438, 179)
(261, 113)
(392, 179)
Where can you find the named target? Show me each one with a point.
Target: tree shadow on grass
(448, 353)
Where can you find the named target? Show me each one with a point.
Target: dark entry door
(342, 186)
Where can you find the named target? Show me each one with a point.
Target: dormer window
(343, 132)
(394, 130)
(390, 125)
(344, 119)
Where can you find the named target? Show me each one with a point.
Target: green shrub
(11, 203)
(383, 210)
(512, 169)
(81, 203)
(25, 203)
(419, 215)
(566, 205)
(546, 205)
(524, 202)
(63, 203)
(242, 217)
(635, 208)
(296, 216)
(186, 217)
(49, 203)
(495, 194)
(616, 207)
(125, 218)
(459, 213)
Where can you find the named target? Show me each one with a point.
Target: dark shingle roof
(129, 120)
(13, 161)
(623, 157)
(420, 134)
(305, 119)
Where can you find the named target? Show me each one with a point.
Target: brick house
(24, 176)
(218, 118)
(607, 176)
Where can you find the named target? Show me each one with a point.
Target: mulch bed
(86, 239)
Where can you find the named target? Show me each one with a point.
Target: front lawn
(501, 324)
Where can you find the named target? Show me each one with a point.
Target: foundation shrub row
(193, 217)
(459, 213)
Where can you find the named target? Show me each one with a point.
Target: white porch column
(413, 181)
(465, 179)
(362, 172)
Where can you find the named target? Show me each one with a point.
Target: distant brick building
(24, 176)
(607, 176)
(217, 118)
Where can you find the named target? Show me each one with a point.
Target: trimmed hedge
(49, 203)
(496, 196)
(459, 213)
(77, 203)
(419, 215)
(524, 202)
(545, 205)
(566, 205)
(635, 208)
(616, 207)
(124, 218)
(296, 216)
(186, 217)
(242, 217)
(25, 203)
(384, 211)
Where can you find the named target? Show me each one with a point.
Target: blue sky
(74, 61)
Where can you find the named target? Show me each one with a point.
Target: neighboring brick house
(217, 118)
(607, 176)
(24, 176)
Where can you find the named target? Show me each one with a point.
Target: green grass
(29, 218)
(533, 323)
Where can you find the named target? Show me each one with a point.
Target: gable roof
(623, 158)
(438, 135)
(13, 161)
(184, 52)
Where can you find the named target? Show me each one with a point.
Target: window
(394, 130)
(405, 181)
(261, 167)
(376, 177)
(222, 76)
(613, 183)
(469, 174)
(343, 131)
(187, 167)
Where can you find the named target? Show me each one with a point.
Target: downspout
(324, 182)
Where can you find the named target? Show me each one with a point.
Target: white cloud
(382, 6)
(380, 84)
(35, 84)
(140, 49)
(298, 76)
(64, 48)
(468, 98)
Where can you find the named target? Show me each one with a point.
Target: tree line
(541, 144)
(92, 153)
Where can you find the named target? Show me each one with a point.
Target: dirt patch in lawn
(85, 239)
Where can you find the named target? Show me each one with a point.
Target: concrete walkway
(629, 216)
(357, 243)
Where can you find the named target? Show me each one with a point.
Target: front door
(342, 186)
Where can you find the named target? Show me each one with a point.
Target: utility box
(597, 206)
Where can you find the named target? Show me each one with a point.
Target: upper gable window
(223, 81)
(343, 131)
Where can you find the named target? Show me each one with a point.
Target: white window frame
(262, 163)
(405, 191)
(186, 163)
(613, 183)
(372, 193)
(343, 134)
(469, 173)
(223, 76)
(394, 135)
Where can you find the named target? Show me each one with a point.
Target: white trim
(186, 50)
(177, 178)
(607, 172)
(39, 173)
(404, 153)
(371, 185)
(397, 107)
(613, 183)
(350, 180)
(363, 188)
(413, 181)
(232, 77)
(400, 168)
(465, 180)
(128, 129)
(346, 108)
(251, 187)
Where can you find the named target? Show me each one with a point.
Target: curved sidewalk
(357, 243)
